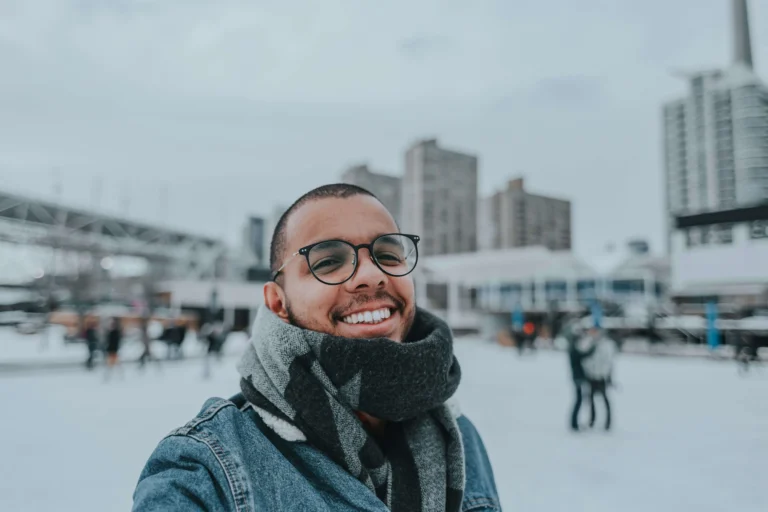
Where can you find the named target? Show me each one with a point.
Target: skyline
(86, 93)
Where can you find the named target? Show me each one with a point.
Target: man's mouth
(373, 316)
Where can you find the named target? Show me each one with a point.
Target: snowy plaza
(690, 434)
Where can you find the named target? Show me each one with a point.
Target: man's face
(302, 300)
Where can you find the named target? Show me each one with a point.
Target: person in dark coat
(214, 335)
(598, 369)
(146, 343)
(114, 338)
(576, 355)
(91, 342)
(181, 335)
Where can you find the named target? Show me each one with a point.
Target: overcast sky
(197, 113)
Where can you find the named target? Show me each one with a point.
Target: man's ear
(274, 299)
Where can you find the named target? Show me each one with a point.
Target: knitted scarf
(316, 382)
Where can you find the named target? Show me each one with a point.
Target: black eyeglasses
(334, 262)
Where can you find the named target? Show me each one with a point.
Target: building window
(758, 229)
(722, 234)
(437, 295)
(511, 294)
(586, 290)
(556, 290)
(628, 286)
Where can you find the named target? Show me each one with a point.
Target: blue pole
(713, 335)
(518, 318)
(597, 314)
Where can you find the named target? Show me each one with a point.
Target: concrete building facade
(517, 218)
(716, 162)
(387, 188)
(716, 138)
(721, 256)
(439, 194)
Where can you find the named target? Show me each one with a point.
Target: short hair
(334, 190)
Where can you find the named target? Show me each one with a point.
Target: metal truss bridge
(24, 220)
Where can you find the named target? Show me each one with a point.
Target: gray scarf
(316, 382)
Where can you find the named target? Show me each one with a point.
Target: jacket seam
(479, 503)
(206, 416)
(236, 495)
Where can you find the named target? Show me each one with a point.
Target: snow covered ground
(690, 435)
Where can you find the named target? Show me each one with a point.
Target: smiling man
(347, 386)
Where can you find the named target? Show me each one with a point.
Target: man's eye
(389, 258)
(327, 264)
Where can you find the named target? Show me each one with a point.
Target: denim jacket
(228, 459)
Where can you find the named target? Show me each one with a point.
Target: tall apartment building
(716, 137)
(716, 162)
(516, 218)
(385, 187)
(439, 198)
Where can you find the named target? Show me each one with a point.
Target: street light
(107, 263)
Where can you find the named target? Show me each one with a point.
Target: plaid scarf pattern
(317, 382)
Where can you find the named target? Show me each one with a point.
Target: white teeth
(370, 317)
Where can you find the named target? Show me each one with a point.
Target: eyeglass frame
(307, 248)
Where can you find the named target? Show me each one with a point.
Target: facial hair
(409, 316)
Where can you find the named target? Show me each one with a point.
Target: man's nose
(367, 274)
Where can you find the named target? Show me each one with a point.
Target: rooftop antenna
(742, 47)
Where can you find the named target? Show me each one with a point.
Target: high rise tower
(716, 137)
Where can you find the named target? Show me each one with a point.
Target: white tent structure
(466, 288)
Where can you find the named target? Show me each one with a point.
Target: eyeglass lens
(334, 262)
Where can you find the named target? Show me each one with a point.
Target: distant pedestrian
(181, 335)
(598, 368)
(146, 342)
(178, 331)
(525, 337)
(213, 335)
(576, 354)
(114, 339)
(174, 335)
(91, 336)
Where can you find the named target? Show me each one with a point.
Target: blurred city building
(723, 257)
(253, 240)
(252, 262)
(439, 198)
(716, 138)
(479, 291)
(716, 160)
(387, 188)
(513, 217)
(639, 246)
